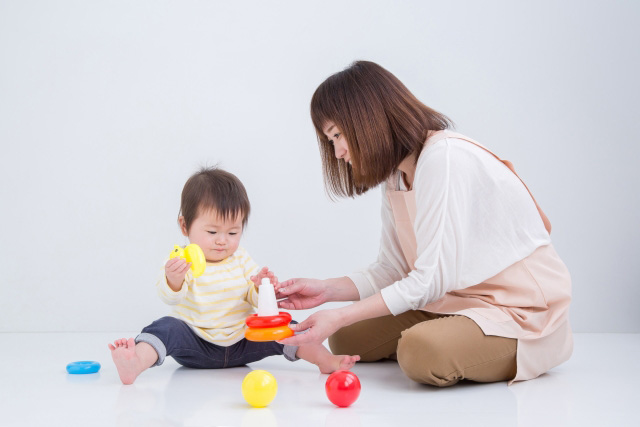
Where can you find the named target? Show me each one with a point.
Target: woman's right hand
(300, 294)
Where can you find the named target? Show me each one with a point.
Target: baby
(207, 324)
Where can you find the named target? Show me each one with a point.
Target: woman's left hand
(319, 326)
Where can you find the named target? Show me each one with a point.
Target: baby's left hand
(257, 279)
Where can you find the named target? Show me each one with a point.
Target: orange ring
(255, 321)
(268, 334)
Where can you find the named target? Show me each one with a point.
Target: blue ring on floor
(83, 367)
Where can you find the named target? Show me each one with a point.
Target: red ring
(255, 321)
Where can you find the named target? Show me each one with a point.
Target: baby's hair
(214, 189)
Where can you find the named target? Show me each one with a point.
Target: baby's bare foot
(334, 363)
(124, 355)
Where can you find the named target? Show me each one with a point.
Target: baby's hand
(175, 269)
(257, 279)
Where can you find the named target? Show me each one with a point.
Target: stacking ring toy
(191, 253)
(255, 321)
(268, 334)
(83, 367)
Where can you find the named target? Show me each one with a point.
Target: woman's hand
(257, 279)
(300, 294)
(319, 326)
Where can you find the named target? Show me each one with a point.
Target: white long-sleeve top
(474, 218)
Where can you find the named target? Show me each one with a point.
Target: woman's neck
(408, 165)
(408, 168)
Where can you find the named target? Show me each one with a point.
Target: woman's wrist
(341, 289)
(368, 308)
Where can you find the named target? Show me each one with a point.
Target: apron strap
(439, 135)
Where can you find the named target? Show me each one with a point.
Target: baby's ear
(183, 226)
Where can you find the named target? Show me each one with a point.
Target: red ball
(343, 388)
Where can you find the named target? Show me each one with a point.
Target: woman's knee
(343, 341)
(426, 358)
(354, 339)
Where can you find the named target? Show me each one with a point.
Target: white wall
(106, 107)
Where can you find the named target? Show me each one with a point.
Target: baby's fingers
(177, 266)
(172, 262)
(186, 268)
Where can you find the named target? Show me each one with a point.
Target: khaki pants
(430, 348)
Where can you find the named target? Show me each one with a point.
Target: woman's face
(340, 147)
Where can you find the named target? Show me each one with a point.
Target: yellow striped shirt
(217, 303)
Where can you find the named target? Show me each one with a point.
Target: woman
(467, 284)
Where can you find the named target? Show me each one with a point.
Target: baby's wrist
(175, 287)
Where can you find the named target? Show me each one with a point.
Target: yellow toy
(193, 254)
(259, 388)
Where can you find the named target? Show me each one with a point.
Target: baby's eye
(233, 234)
(211, 232)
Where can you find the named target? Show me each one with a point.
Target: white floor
(599, 386)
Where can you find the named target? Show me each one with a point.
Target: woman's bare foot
(331, 363)
(127, 360)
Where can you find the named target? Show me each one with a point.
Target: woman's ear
(183, 226)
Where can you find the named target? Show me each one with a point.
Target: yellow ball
(259, 388)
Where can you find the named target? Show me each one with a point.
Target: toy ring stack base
(268, 328)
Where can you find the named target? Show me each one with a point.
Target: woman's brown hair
(381, 120)
(214, 189)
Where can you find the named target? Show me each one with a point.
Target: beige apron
(529, 300)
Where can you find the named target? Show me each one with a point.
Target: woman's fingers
(286, 304)
(302, 326)
(298, 340)
(289, 287)
(286, 283)
(301, 339)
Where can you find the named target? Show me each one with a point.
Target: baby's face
(217, 237)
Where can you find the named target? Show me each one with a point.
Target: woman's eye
(336, 136)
